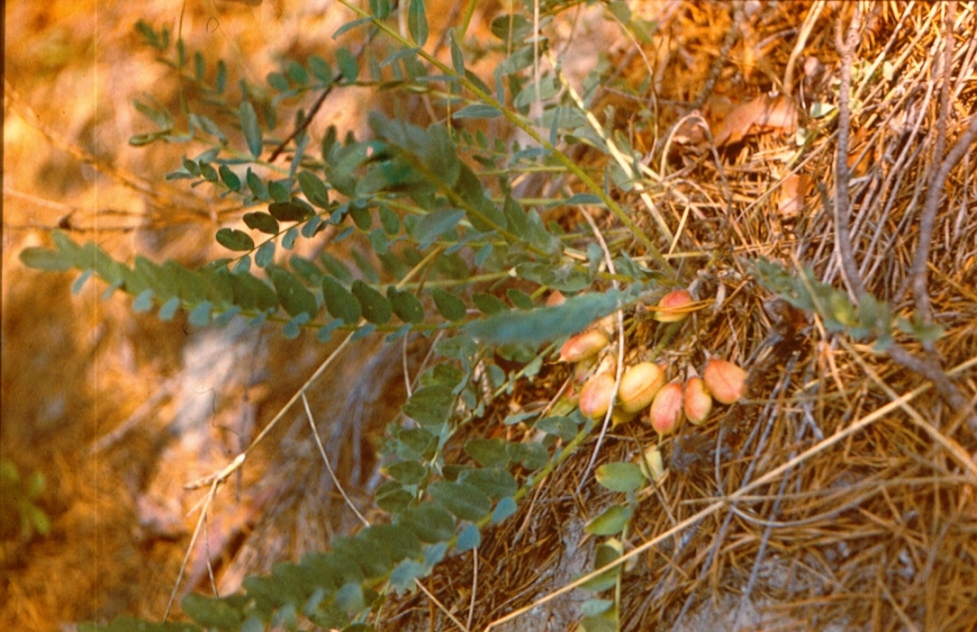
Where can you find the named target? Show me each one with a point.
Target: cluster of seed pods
(644, 385)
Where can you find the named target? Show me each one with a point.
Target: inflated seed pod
(671, 307)
(583, 346)
(666, 410)
(595, 397)
(639, 385)
(698, 400)
(726, 381)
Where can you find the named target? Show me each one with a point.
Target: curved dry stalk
(809, 21)
(325, 459)
(842, 200)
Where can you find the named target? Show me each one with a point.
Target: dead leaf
(690, 131)
(762, 114)
(793, 193)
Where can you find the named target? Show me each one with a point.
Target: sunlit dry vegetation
(457, 390)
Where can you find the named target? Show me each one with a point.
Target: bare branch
(931, 369)
(842, 201)
(937, 179)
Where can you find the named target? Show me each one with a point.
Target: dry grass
(866, 529)
(840, 495)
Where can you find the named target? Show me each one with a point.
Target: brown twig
(935, 184)
(317, 105)
(301, 127)
(928, 220)
(927, 367)
(842, 201)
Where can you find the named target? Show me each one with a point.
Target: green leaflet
(376, 308)
(249, 125)
(462, 499)
(294, 296)
(620, 477)
(417, 21)
(340, 302)
(234, 239)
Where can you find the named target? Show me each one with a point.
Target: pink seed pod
(639, 385)
(583, 346)
(698, 400)
(725, 380)
(666, 410)
(595, 397)
(672, 306)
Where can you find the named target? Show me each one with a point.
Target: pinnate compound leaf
(546, 323)
(234, 239)
(462, 499)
